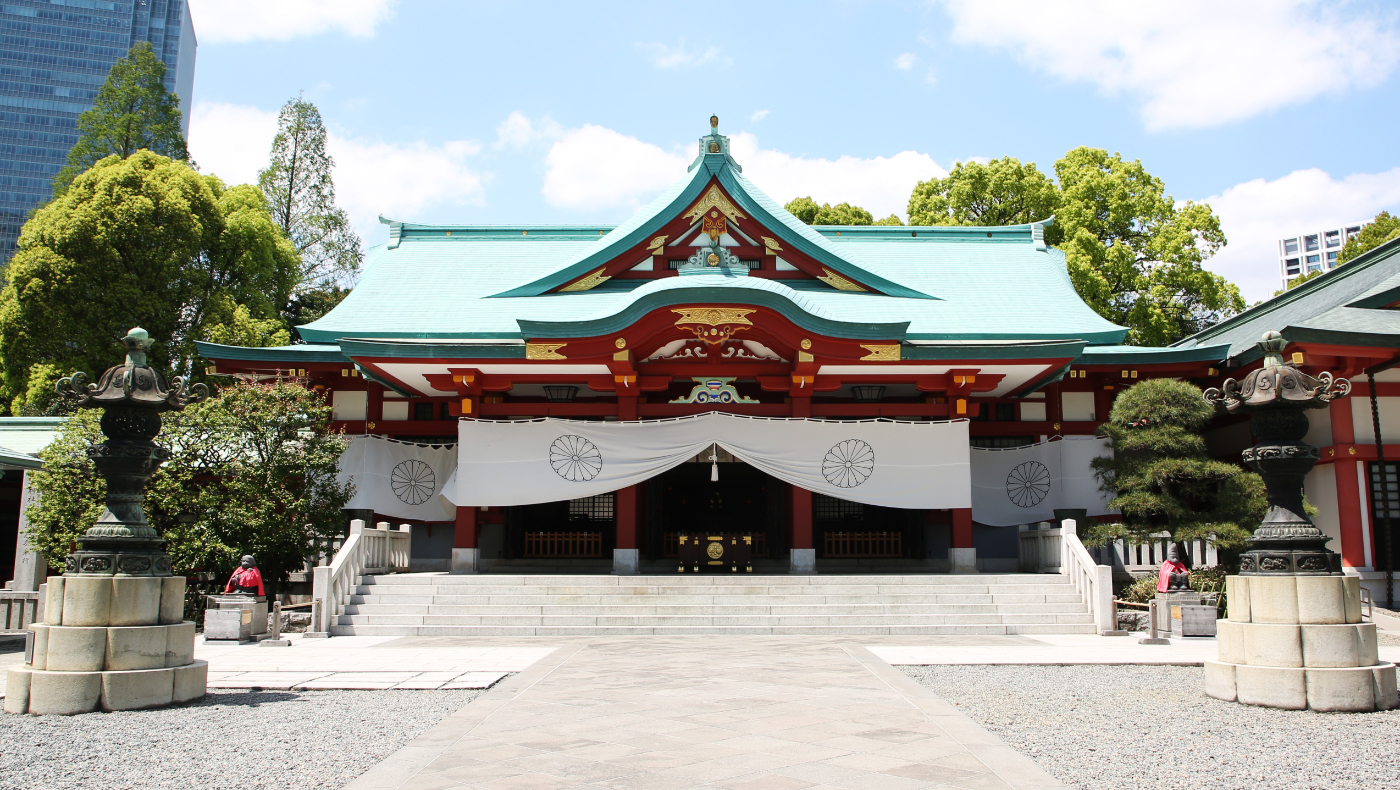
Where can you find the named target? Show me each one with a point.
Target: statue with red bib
(1173, 576)
(246, 579)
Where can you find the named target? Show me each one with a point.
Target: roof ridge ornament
(714, 144)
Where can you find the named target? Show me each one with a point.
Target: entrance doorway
(742, 500)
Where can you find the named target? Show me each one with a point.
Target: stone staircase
(438, 604)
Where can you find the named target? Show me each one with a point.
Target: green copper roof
(1147, 355)
(460, 283)
(290, 354)
(1346, 306)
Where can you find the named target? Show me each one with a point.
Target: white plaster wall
(1033, 412)
(395, 410)
(1389, 409)
(1320, 487)
(1078, 406)
(349, 405)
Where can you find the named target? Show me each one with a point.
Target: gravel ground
(1153, 728)
(230, 739)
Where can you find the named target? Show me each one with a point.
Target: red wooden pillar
(625, 509)
(465, 535)
(962, 527)
(374, 405)
(802, 408)
(1346, 469)
(627, 407)
(801, 518)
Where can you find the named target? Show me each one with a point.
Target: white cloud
(597, 168)
(1256, 214)
(758, 116)
(906, 61)
(518, 131)
(593, 167)
(880, 185)
(668, 57)
(371, 177)
(1192, 63)
(226, 21)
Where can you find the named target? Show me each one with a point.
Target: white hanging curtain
(878, 462)
(1024, 485)
(400, 480)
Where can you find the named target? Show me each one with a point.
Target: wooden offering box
(715, 551)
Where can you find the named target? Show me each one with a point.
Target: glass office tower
(54, 56)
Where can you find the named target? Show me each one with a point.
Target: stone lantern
(114, 635)
(1293, 636)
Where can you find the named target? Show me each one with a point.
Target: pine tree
(301, 196)
(132, 111)
(1162, 478)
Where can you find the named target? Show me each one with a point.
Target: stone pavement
(1058, 649)
(367, 662)
(739, 713)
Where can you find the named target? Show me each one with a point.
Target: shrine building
(714, 300)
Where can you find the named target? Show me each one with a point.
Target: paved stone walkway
(739, 713)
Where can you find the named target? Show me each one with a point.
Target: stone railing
(1142, 559)
(1093, 581)
(1040, 550)
(367, 551)
(18, 609)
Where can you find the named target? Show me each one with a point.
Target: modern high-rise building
(54, 56)
(1313, 251)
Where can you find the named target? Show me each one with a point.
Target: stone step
(755, 608)
(715, 620)
(561, 631)
(715, 600)
(885, 590)
(705, 579)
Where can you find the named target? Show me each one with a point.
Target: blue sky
(1281, 114)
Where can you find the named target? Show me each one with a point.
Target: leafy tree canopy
(254, 466)
(1001, 192)
(812, 213)
(301, 195)
(1134, 255)
(1373, 234)
(1162, 478)
(144, 241)
(132, 111)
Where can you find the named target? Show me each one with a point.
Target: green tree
(312, 305)
(1135, 256)
(132, 111)
(301, 195)
(813, 213)
(143, 240)
(1162, 478)
(1001, 192)
(253, 470)
(1373, 234)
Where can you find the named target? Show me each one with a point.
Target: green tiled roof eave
(1146, 355)
(365, 347)
(10, 459)
(1313, 303)
(760, 297)
(809, 242)
(1051, 349)
(304, 353)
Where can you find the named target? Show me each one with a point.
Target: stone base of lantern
(1298, 642)
(108, 643)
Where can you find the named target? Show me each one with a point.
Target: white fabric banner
(400, 480)
(878, 462)
(1024, 485)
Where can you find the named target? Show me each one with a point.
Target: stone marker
(114, 635)
(1293, 636)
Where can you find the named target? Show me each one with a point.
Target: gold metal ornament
(806, 343)
(620, 342)
(713, 316)
(771, 244)
(715, 550)
(838, 282)
(587, 283)
(544, 351)
(714, 198)
(880, 353)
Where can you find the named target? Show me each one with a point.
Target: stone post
(114, 635)
(1293, 636)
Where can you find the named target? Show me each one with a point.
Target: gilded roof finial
(714, 124)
